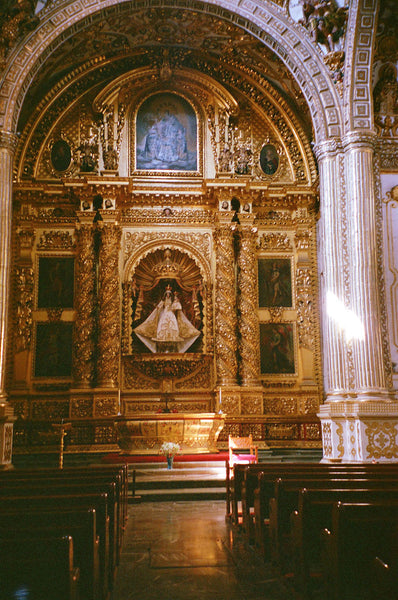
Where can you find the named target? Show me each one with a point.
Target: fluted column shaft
(332, 264)
(225, 306)
(108, 306)
(7, 147)
(249, 329)
(371, 380)
(83, 342)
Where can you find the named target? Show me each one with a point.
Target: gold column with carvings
(83, 342)
(225, 303)
(249, 332)
(108, 359)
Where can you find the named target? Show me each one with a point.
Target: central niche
(167, 304)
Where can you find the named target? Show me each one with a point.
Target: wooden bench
(286, 501)
(314, 514)
(30, 488)
(245, 479)
(58, 503)
(266, 490)
(80, 525)
(117, 473)
(39, 567)
(81, 477)
(359, 532)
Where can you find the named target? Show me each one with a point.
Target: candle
(220, 397)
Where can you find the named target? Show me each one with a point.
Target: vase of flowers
(169, 449)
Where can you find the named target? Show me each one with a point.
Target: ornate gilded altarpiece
(165, 255)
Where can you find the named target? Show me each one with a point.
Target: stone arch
(261, 18)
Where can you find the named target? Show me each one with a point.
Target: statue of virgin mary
(167, 329)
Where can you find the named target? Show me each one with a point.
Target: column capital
(224, 219)
(356, 139)
(8, 140)
(246, 222)
(328, 148)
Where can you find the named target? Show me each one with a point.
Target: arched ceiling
(144, 37)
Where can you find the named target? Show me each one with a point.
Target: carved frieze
(230, 402)
(282, 432)
(106, 407)
(275, 241)
(49, 410)
(81, 408)
(310, 431)
(55, 240)
(252, 404)
(199, 379)
(280, 406)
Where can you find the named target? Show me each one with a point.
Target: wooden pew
(286, 501)
(80, 525)
(384, 580)
(359, 532)
(60, 502)
(117, 475)
(257, 508)
(34, 487)
(40, 567)
(245, 479)
(314, 514)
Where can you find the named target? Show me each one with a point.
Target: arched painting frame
(166, 136)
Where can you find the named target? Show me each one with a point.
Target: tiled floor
(186, 551)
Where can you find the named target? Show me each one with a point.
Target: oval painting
(61, 155)
(269, 159)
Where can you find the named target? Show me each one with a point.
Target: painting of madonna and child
(166, 134)
(169, 318)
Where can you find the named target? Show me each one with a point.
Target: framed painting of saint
(53, 351)
(61, 155)
(56, 282)
(166, 135)
(269, 159)
(275, 282)
(277, 354)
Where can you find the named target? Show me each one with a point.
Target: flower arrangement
(169, 448)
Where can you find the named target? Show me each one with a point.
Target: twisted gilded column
(84, 329)
(8, 143)
(249, 330)
(108, 303)
(225, 304)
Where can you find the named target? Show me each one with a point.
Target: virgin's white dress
(167, 324)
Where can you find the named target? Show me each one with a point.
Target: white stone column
(368, 360)
(360, 416)
(332, 260)
(7, 147)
